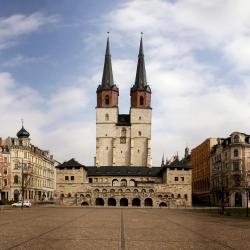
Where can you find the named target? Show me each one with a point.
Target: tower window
(139, 117)
(106, 117)
(107, 100)
(141, 100)
(139, 133)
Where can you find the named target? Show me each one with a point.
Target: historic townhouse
(31, 171)
(230, 180)
(5, 172)
(123, 175)
(201, 171)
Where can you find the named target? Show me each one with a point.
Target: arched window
(236, 153)
(106, 117)
(123, 183)
(141, 100)
(132, 183)
(178, 196)
(69, 195)
(115, 183)
(236, 139)
(16, 179)
(107, 100)
(123, 136)
(139, 133)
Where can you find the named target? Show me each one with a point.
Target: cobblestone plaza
(116, 228)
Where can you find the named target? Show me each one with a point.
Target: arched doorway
(148, 202)
(111, 202)
(99, 202)
(85, 203)
(136, 202)
(163, 204)
(123, 202)
(238, 199)
(16, 195)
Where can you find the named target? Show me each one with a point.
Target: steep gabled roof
(72, 163)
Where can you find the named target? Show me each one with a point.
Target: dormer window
(236, 139)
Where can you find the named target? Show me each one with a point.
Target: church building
(123, 174)
(123, 139)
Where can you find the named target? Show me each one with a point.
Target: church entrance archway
(163, 204)
(112, 202)
(123, 202)
(136, 202)
(148, 202)
(84, 203)
(238, 199)
(99, 202)
(16, 195)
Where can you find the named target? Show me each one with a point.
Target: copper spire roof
(141, 78)
(107, 76)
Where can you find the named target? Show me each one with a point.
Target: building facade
(230, 180)
(201, 171)
(123, 139)
(5, 172)
(167, 186)
(123, 175)
(31, 171)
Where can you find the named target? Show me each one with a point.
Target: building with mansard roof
(123, 174)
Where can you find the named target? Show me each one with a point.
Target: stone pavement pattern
(115, 228)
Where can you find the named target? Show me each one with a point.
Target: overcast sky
(197, 57)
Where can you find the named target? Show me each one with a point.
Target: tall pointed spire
(107, 91)
(162, 161)
(141, 79)
(107, 76)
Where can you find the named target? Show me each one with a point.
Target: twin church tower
(123, 139)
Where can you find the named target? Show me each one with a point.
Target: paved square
(115, 228)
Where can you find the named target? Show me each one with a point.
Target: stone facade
(230, 180)
(122, 175)
(28, 164)
(167, 186)
(123, 139)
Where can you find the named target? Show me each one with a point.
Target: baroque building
(26, 170)
(123, 174)
(230, 176)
